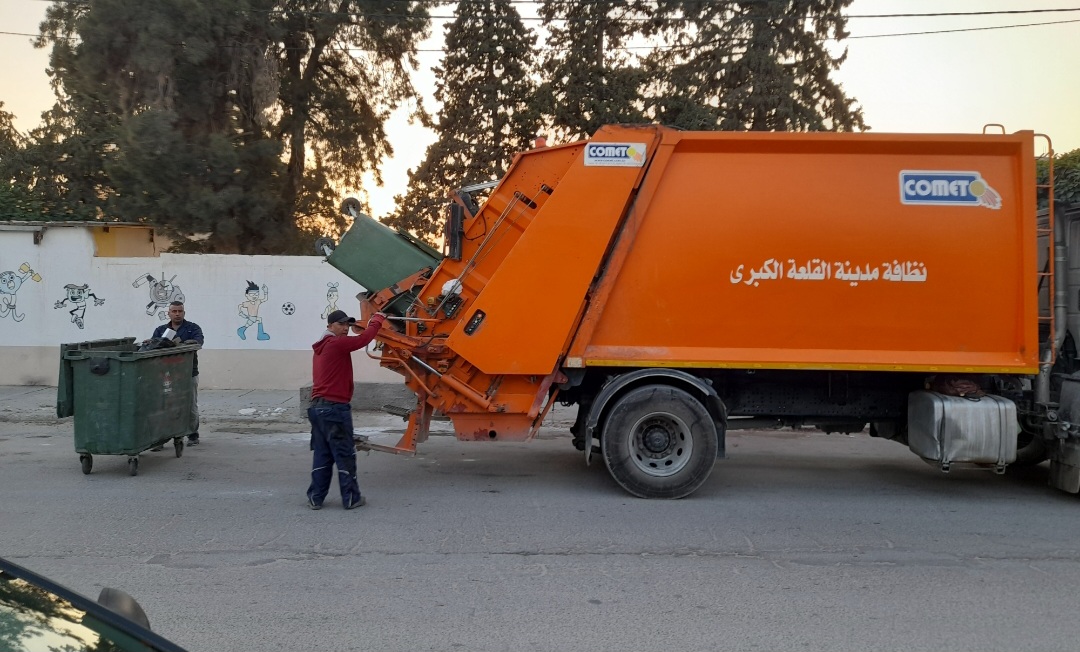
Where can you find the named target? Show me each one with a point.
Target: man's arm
(365, 336)
(194, 333)
(159, 331)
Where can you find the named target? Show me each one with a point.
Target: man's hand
(377, 318)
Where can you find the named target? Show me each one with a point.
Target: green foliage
(1066, 177)
(17, 204)
(19, 199)
(240, 119)
(341, 74)
(10, 138)
(232, 118)
(748, 65)
(590, 79)
(488, 112)
(13, 200)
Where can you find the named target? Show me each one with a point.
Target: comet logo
(615, 154)
(931, 188)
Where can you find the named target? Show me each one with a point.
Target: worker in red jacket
(330, 413)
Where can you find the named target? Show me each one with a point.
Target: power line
(655, 47)
(662, 47)
(744, 2)
(380, 16)
(653, 19)
(1002, 12)
(965, 29)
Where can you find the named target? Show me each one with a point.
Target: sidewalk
(37, 404)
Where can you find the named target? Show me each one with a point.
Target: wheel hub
(661, 444)
(656, 439)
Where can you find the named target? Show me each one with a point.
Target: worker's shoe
(312, 504)
(193, 440)
(356, 502)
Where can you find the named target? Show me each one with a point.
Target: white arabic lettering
(818, 269)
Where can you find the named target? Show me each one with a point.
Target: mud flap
(1065, 466)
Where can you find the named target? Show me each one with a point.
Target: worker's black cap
(339, 317)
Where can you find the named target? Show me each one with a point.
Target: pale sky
(935, 83)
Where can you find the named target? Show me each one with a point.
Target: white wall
(213, 287)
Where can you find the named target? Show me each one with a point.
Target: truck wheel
(659, 442)
(87, 462)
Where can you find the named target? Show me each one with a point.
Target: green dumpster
(377, 257)
(125, 401)
(65, 405)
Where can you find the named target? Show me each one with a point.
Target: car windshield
(33, 619)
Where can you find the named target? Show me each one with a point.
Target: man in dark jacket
(186, 332)
(330, 413)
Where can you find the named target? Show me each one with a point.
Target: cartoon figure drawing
(162, 293)
(77, 295)
(249, 310)
(10, 282)
(331, 299)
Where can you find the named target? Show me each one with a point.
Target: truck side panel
(522, 320)
(799, 251)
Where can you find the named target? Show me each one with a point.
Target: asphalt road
(799, 541)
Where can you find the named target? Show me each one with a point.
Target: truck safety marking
(822, 270)
(934, 188)
(626, 155)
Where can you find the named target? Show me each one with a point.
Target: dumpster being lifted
(126, 400)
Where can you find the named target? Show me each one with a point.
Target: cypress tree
(486, 86)
(591, 79)
(749, 65)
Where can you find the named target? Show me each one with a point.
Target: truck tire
(659, 442)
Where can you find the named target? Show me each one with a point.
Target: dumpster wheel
(133, 466)
(178, 444)
(87, 462)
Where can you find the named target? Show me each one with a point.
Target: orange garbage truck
(677, 285)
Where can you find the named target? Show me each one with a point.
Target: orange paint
(728, 202)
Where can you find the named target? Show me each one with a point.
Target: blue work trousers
(332, 443)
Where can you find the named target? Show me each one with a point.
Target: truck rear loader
(677, 285)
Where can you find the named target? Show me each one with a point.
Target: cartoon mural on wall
(331, 299)
(289, 308)
(77, 295)
(10, 282)
(162, 293)
(249, 310)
